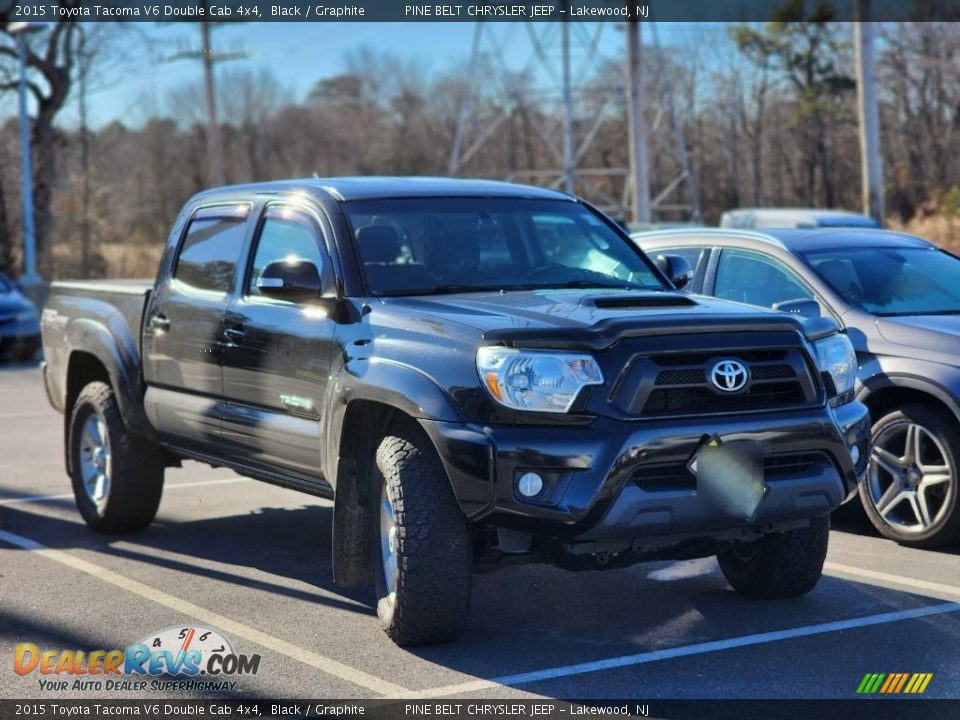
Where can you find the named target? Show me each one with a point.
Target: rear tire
(422, 551)
(780, 565)
(117, 478)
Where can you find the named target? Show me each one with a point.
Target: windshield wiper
(567, 284)
(439, 290)
(583, 284)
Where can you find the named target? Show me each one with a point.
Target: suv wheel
(780, 565)
(423, 556)
(911, 488)
(117, 479)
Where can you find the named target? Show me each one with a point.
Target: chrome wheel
(95, 461)
(910, 479)
(389, 544)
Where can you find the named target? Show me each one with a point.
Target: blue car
(19, 323)
(898, 299)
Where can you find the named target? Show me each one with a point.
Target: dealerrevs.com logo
(178, 655)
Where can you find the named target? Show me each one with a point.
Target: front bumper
(620, 480)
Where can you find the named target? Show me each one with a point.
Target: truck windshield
(423, 246)
(892, 281)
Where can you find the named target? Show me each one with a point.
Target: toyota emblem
(729, 376)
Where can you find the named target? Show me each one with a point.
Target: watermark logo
(177, 652)
(894, 683)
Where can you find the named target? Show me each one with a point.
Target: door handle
(160, 323)
(234, 334)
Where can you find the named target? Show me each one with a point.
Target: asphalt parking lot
(253, 562)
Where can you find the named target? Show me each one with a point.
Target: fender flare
(377, 380)
(911, 382)
(120, 358)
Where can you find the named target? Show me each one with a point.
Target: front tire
(423, 556)
(117, 478)
(780, 565)
(910, 493)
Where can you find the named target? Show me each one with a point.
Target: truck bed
(96, 316)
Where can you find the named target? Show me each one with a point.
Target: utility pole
(568, 161)
(871, 167)
(454, 166)
(639, 175)
(30, 281)
(209, 59)
(214, 146)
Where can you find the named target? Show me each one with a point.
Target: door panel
(182, 338)
(277, 354)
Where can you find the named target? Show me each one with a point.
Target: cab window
(286, 234)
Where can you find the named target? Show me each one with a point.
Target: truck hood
(596, 319)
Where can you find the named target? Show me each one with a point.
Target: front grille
(748, 356)
(773, 372)
(778, 378)
(675, 475)
(682, 377)
(703, 399)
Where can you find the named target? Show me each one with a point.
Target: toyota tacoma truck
(475, 373)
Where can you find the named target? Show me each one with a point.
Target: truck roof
(345, 189)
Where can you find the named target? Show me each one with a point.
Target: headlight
(534, 380)
(835, 355)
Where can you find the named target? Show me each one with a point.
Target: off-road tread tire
(784, 565)
(945, 427)
(435, 553)
(137, 468)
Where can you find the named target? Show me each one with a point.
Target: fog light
(529, 485)
(855, 454)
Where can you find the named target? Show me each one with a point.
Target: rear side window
(210, 251)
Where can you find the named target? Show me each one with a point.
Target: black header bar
(332, 11)
(484, 709)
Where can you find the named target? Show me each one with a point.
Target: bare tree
(52, 65)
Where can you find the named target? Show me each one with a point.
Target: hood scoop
(637, 302)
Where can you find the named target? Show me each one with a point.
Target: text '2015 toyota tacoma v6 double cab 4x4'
(473, 371)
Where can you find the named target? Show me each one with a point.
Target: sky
(299, 54)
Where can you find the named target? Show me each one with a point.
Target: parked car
(19, 323)
(898, 299)
(473, 371)
(749, 218)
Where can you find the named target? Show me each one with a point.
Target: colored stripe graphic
(894, 683)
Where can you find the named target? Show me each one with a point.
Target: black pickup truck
(475, 372)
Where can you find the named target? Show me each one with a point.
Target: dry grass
(943, 232)
(119, 260)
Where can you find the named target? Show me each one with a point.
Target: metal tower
(562, 62)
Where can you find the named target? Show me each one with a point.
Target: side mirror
(804, 307)
(676, 268)
(293, 280)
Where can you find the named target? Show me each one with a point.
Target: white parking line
(684, 651)
(885, 580)
(208, 617)
(66, 496)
